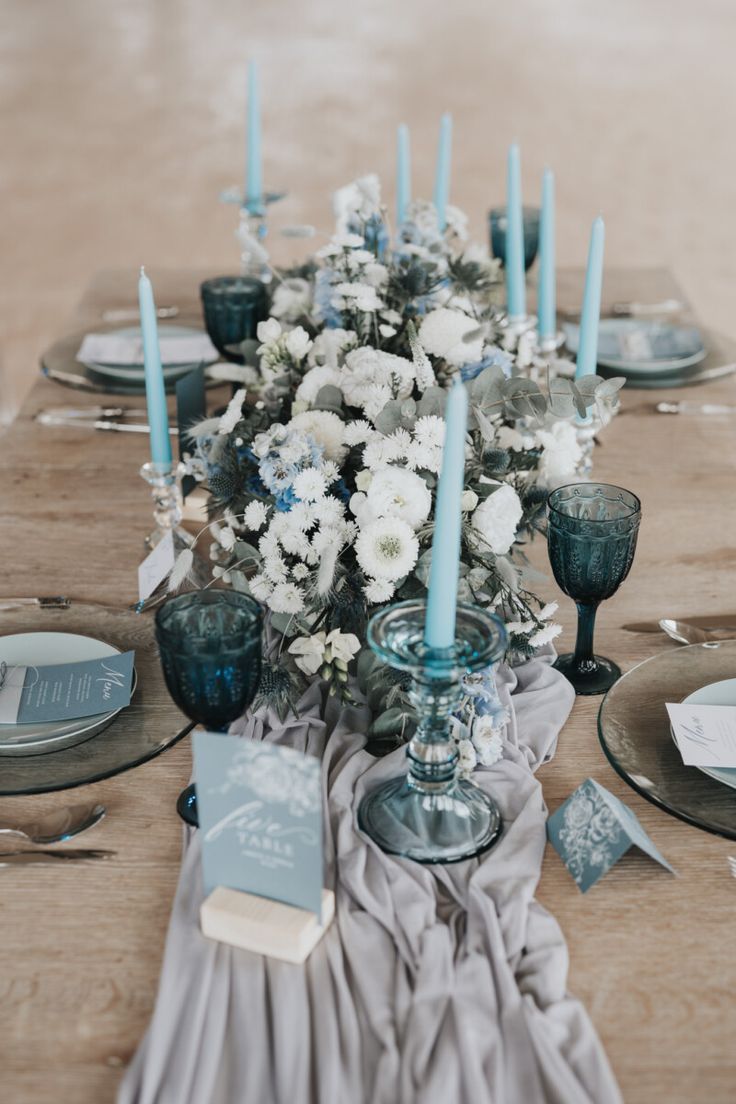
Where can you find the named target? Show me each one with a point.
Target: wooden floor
(652, 956)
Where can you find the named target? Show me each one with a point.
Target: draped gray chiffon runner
(439, 985)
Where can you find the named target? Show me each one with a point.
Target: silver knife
(99, 423)
(88, 412)
(132, 314)
(712, 621)
(39, 858)
(72, 379)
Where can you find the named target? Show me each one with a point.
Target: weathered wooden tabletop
(652, 956)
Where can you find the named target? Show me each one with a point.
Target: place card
(125, 350)
(260, 818)
(65, 691)
(705, 734)
(156, 566)
(592, 830)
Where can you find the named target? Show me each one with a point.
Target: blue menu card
(64, 691)
(260, 818)
(592, 830)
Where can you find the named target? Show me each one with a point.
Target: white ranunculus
(561, 454)
(497, 519)
(298, 342)
(396, 492)
(342, 645)
(387, 549)
(308, 652)
(442, 332)
(327, 429)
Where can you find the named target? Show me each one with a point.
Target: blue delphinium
(494, 358)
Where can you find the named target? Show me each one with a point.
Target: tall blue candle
(591, 311)
(442, 171)
(403, 174)
(547, 305)
(158, 417)
(253, 187)
(439, 629)
(514, 259)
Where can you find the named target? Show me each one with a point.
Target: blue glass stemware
(591, 540)
(210, 647)
(498, 222)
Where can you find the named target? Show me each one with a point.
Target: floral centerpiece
(323, 469)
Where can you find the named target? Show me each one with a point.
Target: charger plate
(634, 731)
(150, 725)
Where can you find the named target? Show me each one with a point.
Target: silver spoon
(684, 633)
(60, 825)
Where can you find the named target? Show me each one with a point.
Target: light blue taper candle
(403, 174)
(547, 304)
(439, 629)
(253, 186)
(442, 171)
(158, 417)
(514, 259)
(591, 310)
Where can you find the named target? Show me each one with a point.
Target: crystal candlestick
(429, 814)
(165, 483)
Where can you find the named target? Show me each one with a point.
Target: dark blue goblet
(591, 539)
(210, 646)
(498, 222)
(233, 306)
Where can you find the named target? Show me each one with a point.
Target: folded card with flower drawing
(592, 830)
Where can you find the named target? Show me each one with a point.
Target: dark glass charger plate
(151, 723)
(634, 731)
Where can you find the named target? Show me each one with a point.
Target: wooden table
(653, 957)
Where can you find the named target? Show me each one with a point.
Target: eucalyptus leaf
(246, 553)
(562, 397)
(392, 722)
(423, 566)
(487, 430)
(609, 387)
(282, 621)
(329, 397)
(524, 398)
(390, 417)
(586, 387)
(433, 401)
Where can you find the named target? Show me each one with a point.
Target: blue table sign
(260, 818)
(592, 830)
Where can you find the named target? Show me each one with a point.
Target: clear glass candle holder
(429, 814)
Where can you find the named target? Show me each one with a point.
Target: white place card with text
(705, 734)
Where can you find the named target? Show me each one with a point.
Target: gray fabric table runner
(434, 985)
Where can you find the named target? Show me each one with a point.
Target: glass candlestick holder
(165, 483)
(429, 814)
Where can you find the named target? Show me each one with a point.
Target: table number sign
(260, 817)
(592, 830)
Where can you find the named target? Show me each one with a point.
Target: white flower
(386, 330)
(421, 457)
(268, 331)
(359, 433)
(468, 501)
(509, 438)
(430, 430)
(298, 343)
(374, 273)
(363, 479)
(233, 414)
(330, 511)
(286, 598)
(341, 646)
(255, 515)
(442, 332)
(396, 492)
(329, 344)
(543, 636)
(309, 652)
(310, 484)
(300, 571)
(379, 590)
(327, 429)
(387, 549)
(226, 538)
(362, 297)
(260, 588)
(291, 299)
(275, 568)
(314, 380)
(561, 454)
(340, 242)
(548, 611)
(376, 453)
(361, 198)
(517, 628)
(497, 519)
(487, 741)
(467, 758)
(368, 367)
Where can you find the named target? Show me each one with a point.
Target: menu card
(65, 691)
(704, 734)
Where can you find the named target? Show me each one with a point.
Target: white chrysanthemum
(421, 457)
(509, 438)
(314, 380)
(442, 334)
(330, 511)
(497, 519)
(387, 549)
(340, 242)
(289, 532)
(330, 471)
(233, 414)
(255, 515)
(367, 367)
(300, 571)
(268, 331)
(359, 432)
(543, 636)
(260, 588)
(310, 485)
(275, 568)
(362, 297)
(286, 598)
(302, 516)
(291, 299)
(375, 274)
(376, 453)
(298, 343)
(467, 758)
(327, 428)
(268, 545)
(379, 590)
(561, 454)
(430, 430)
(396, 492)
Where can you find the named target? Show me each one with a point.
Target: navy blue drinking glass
(232, 307)
(498, 222)
(591, 539)
(210, 647)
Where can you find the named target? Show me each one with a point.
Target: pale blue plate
(637, 347)
(717, 693)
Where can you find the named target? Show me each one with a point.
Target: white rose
(314, 380)
(396, 492)
(468, 501)
(497, 519)
(442, 334)
(308, 652)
